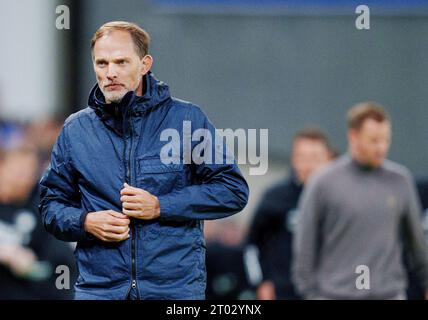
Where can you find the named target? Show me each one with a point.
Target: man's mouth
(113, 86)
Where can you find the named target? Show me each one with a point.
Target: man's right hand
(17, 258)
(108, 225)
(266, 291)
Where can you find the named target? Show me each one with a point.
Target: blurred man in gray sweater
(360, 220)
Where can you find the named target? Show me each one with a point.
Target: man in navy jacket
(135, 210)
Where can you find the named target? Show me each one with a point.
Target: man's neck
(140, 89)
(360, 163)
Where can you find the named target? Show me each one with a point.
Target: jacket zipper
(133, 235)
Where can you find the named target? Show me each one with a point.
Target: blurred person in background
(28, 254)
(226, 277)
(12, 134)
(422, 186)
(415, 291)
(272, 227)
(360, 225)
(42, 134)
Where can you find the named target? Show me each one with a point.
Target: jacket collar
(116, 116)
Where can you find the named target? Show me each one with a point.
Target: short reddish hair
(362, 111)
(140, 37)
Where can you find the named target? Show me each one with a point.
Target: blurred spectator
(270, 236)
(11, 134)
(42, 134)
(28, 254)
(415, 291)
(422, 185)
(226, 278)
(359, 225)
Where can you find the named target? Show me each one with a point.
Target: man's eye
(101, 63)
(122, 62)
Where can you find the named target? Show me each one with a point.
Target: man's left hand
(138, 203)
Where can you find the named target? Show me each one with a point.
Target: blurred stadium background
(274, 64)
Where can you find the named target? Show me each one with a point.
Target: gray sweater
(351, 216)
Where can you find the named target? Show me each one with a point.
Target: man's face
(117, 66)
(370, 144)
(18, 173)
(308, 156)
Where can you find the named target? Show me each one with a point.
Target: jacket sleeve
(220, 191)
(307, 240)
(60, 206)
(416, 248)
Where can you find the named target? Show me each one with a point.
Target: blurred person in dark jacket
(28, 254)
(226, 276)
(415, 290)
(422, 186)
(268, 252)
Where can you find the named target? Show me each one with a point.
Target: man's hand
(266, 291)
(17, 258)
(139, 203)
(108, 225)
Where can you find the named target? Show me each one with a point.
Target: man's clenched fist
(139, 203)
(108, 225)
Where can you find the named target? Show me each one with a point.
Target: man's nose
(111, 71)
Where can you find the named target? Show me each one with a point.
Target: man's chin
(377, 163)
(116, 101)
(114, 98)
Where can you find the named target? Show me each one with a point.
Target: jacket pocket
(170, 257)
(158, 178)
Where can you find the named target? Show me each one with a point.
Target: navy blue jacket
(103, 146)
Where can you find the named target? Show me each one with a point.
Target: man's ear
(147, 62)
(352, 135)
